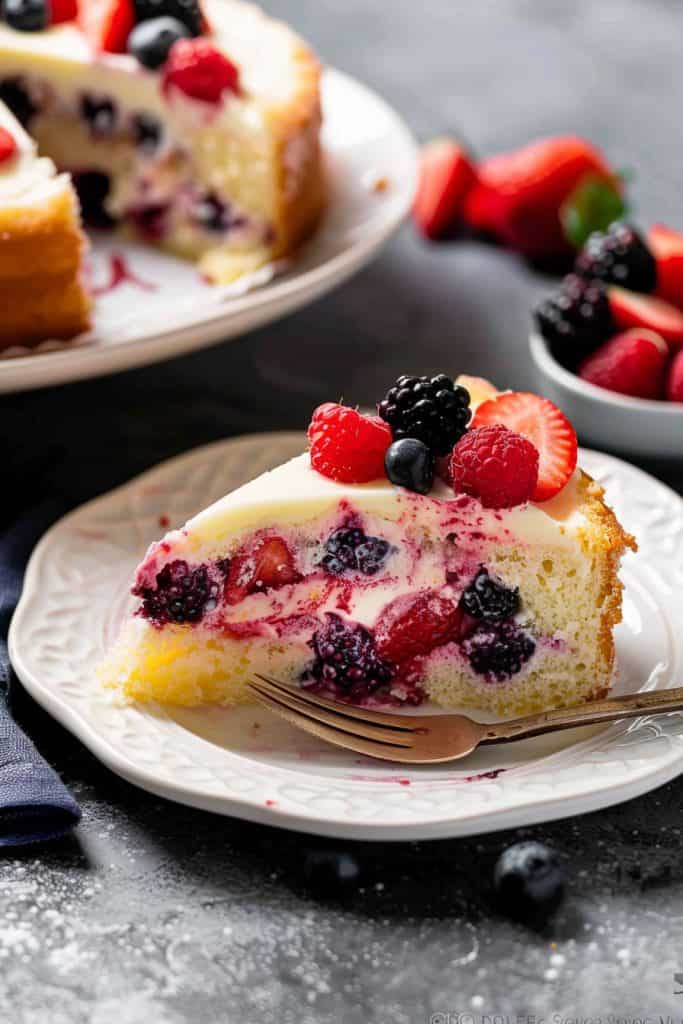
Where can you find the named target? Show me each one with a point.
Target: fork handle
(610, 710)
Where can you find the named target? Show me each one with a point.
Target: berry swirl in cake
(446, 550)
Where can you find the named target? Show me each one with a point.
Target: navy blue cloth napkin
(34, 803)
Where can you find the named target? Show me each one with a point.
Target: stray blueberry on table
(330, 873)
(409, 463)
(528, 879)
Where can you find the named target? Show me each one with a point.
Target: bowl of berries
(608, 346)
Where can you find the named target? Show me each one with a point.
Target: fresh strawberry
(267, 564)
(518, 196)
(548, 429)
(632, 363)
(495, 465)
(63, 10)
(667, 248)
(8, 145)
(106, 23)
(631, 309)
(346, 445)
(199, 70)
(446, 176)
(411, 626)
(674, 381)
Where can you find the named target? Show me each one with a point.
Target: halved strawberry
(674, 382)
(8, 145)
(415, 625)
(446, 176)
(267, 564)
(106, 23)
(667, 248)
(518, 196)
(632, 363)
(63, 10)
(542, 423)
(631, 309)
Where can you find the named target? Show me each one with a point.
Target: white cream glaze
(25, 176)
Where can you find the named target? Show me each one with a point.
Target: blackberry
(346, 658)
(489, 599)
(14, 93)
(185, 11)
(100, 115)
(499, 650)
(528, 878)
(182, 594)
(93, 189)
(350, 550)
(432, 409)
(578, 318)
(618, 256)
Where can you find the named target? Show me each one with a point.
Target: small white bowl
(636, 426)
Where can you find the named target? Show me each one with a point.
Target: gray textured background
(155, 914)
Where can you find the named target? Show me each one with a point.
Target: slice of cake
(193, 129)
(41, 245)
(357, 571)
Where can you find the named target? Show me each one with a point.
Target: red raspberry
(347, 446)
(674, 384)
(632, 363)
(495, 465)
(412, 626)
(8, 145)
(63, 10)
(199, 70)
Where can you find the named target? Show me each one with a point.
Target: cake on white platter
(419, 555)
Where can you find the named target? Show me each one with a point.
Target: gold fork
(429, 739)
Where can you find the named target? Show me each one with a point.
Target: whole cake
(41, 244)
(193, 129)
(417, 555)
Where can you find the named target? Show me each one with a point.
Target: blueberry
(488, 598)
(528, 878)
(100, 115)
(330, 873)
(409, 464)
(26, 15)
(150, 41)
(185, 11)
(148, 132)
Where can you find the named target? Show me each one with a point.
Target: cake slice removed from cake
(41, 245)
(392, 587)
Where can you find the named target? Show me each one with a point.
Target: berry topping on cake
(199, 70)
(148, 133)
(478, 387)
(151, 41)
(347, 446)
(346, 657)
(106, 23)
(186, 11)
(351, 550)
(100, 115)
(667, 246)
(415, 625)
(432, 409)
(182, 594)
(63, 10)
(674, 382)
(528, 879)
(498, 650)
(8, 145)
(578, 318)
(630, 309)
(541, 422)
(495, 465)
(264, 565)
(487, 598)
(26, 15)
(519, 196)
(409, 463)
(446, 176)
(618, 256)
(632, 363)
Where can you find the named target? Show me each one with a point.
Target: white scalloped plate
(245, 763)
(167, 309)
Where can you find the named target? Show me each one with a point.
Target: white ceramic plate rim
(218, 323)
(594, 790)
